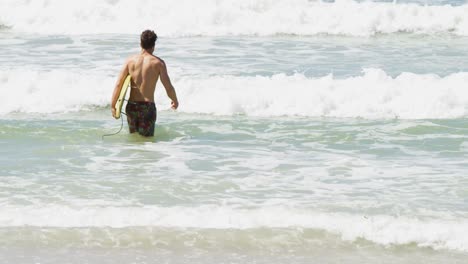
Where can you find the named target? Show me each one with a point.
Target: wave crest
(380, 229)
(374, 94)
(371, 95)
(232, 17)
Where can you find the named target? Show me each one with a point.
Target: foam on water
(55, 91)
(218, 179)
(381, 229)
(371, 95)
(374, 94)
(231, 17)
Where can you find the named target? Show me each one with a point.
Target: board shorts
(141, 117)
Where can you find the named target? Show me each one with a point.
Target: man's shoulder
(157, 61)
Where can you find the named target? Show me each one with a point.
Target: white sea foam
(51, 92)
(381, 229)
(371, 95)
(231, 17)
(374, 94)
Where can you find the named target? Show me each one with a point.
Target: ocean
(307, 132)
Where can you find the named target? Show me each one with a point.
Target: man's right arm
(166, 81)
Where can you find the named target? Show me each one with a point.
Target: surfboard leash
(121, 126)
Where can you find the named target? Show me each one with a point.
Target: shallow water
(294, 142)
(275, 185)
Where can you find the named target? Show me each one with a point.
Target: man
(145, 70)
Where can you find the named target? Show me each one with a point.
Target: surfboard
(123, 92)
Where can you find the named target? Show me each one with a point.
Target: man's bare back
(145, 70)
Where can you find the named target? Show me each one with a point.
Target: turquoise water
(343, 141)
(324, 164)
(209, 189)
(312, 56)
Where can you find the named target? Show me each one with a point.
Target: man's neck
(149, 51)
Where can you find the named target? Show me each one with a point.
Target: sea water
(307, 132)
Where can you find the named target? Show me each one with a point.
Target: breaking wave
(374, 94)
(232, 17)
(380, 229)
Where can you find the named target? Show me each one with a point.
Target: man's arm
(118, 86)
(166, 81)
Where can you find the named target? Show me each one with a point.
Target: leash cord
(121, 126)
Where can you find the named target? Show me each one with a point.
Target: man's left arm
(118, 86)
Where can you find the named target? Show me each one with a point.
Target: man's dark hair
(147, 39)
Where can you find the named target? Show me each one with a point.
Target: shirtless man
(145, 70)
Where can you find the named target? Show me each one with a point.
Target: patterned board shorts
(141, 117)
